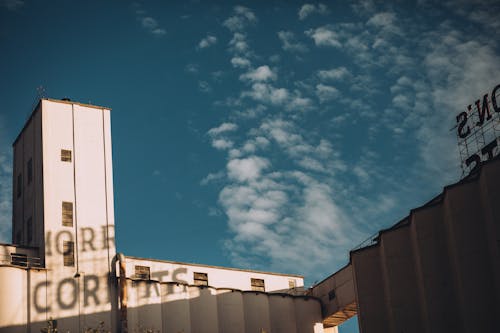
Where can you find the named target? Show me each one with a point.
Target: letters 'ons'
(465, 129)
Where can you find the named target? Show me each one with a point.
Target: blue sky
(274, 135)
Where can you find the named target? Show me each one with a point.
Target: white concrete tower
(63, 204)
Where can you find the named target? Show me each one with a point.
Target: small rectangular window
(29, 228)
(142, 272)
(291, 284)
(67, 214)
(30, 171)
(200, 279)
(258, 285)
(69, 253)
(65, 155)
(19, 185)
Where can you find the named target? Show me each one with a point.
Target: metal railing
(18, 259)
(372, 240)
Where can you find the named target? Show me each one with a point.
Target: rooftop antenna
(40, 91)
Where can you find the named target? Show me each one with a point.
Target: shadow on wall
(187, 308)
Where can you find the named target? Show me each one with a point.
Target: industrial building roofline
(63, 101)
(212, 266)
(474, 175)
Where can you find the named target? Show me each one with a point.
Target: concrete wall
(338, 297)
(82, 295)
(199, 309)
(82, 290)
(28, 206)
(438, 269)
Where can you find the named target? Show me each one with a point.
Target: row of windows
(201, 279)
(65, 157)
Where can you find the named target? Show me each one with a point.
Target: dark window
(142, 272)
(331, 294)
(19, 185)
(258, 285)
(65, 155)
(69, 253)
(30, 171)
(67, 214)
(29, 227)
(200, 279)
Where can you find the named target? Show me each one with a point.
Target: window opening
(200, 279)
(142, 272)
(258, 285)
(69, 253)
(67, 214)
(65, 155)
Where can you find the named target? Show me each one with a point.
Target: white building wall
(83, 295)
(218, 277)
(80, 295)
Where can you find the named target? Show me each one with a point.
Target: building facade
(63, 271)
(437, 270)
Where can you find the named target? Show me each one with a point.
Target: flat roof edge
(213, 266)
(37, 107)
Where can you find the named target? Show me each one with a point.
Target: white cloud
(148, 22)
(240, 62)
(381, 20)
(242, 16)
(324, 36)
(326, 93)
(298, 103)
(309, 9)
(152, 25)
(204, 86)
(260, 74)
(238, 43)
(192, 68)
(245, 12)
(223, 128)
(208, 41)
(267, 93)
(334, 74)
(222, 144)
(289, 43)
(211, 177)
(246, 169)
(386, 22)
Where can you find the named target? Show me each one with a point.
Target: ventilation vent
(258, 285)
(200, 279)
(142, 272)
(65, 155)
(67, 214)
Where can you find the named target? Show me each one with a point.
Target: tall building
(63, 271)
(437, 270)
